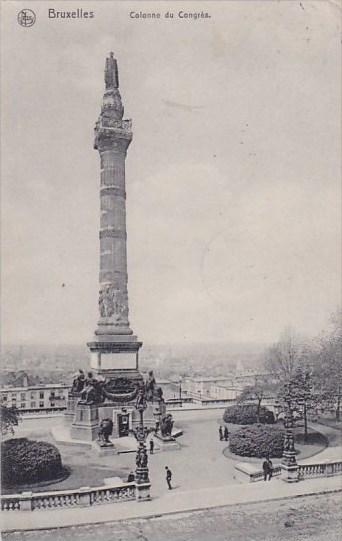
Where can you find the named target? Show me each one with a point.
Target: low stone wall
(81, 497)
(247, 472)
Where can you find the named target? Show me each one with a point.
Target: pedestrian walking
(151, 446)
(168, 477)
(267, 466)
(221, 433)
(226, 433)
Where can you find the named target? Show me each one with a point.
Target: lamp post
(140, 432)
(289, 463)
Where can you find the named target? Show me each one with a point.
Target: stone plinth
(142, 492)
(289, 467)
(107, 449)
(115, 357)
(289, 473)
(86, 422)
(167, 443)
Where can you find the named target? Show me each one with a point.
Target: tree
(256, 394)
(328, 366)
(283, 357)
(9, 418)
(304, 395)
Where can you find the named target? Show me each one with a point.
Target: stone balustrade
(82, 497)
(321, 469)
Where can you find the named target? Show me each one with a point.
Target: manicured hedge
(246, 414)
(25, 461)
(257, 441)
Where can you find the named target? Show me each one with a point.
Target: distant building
(36, 398)
(215, 388)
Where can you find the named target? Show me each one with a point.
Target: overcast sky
(233, 175)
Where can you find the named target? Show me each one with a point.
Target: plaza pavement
(203, 479)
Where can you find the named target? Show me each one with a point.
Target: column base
(114, 354)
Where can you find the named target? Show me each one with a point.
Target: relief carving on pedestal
(111, 303)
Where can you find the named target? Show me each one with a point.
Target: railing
(82, 497)
(323, 469)
(42, 411)
(245, 471)
(259, 475)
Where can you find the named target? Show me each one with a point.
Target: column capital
(116, 138)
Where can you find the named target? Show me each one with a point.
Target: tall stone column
(114, 348)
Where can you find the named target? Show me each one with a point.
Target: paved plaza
(203, 480)
(199, 463)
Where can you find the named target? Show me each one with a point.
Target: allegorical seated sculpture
(105, 430)
(92, 392)
(166, 425)
(78, 382)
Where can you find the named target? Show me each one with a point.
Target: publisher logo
(26, 17)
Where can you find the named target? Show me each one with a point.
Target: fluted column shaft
(113, 296)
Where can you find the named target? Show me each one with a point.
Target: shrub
(246, 414)
(257, 441)
(25, 461)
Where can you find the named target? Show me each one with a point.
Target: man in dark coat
(168, 477)
(267, 466)
(226, 433)
(151, 446)
(221, 433)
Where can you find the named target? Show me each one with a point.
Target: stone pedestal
(167, 443)
(107, 449)
(289, 472)
(84, 496)
(143, 485)
(85, 425)
(289, 466)
(143, 492)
